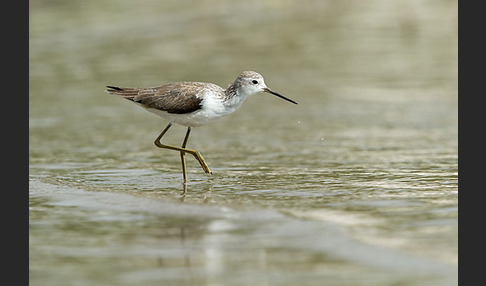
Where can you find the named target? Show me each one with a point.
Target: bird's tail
(125, 92)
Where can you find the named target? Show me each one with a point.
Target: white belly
(212, 109)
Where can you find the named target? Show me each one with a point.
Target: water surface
(355, 185)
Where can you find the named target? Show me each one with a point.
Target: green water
(355, 185)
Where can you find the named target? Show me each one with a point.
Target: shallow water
(355, 185)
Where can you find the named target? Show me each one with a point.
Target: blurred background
(355, 185)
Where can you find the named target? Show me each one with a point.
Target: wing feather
(179, 97)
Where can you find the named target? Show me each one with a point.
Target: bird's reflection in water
(184, 190)
(206, 198)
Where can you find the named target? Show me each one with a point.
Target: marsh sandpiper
(193, 104)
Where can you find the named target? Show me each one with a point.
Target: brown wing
(180, 97)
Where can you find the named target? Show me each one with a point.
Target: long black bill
(266, 89)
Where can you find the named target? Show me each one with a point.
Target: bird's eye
(254, 81)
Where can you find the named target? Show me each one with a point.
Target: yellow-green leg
(183, 150)
(183, 154)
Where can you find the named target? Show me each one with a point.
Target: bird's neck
(230, 91)
(233, 98)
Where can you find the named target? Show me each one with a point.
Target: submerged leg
(183, 154)
(195, 153)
